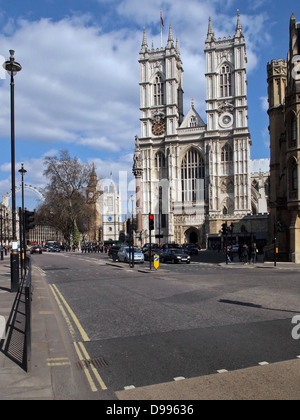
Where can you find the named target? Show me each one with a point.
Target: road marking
(67, 319)
(129, 387)
(73, 316)
(79, 347)
(85, 369)
(58, 361)
(95, 372)
(40, 270)
(222, 371)
(179, 378)
(263, 363)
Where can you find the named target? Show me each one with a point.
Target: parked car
(36, 249)
(123, 254)
(175, 255)
(113, 252)
(169, 246)
(235, 248)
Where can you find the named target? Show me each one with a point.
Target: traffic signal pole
(151, 227)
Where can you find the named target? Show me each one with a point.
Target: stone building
(193, 176)
(105, 220)
(284, 110)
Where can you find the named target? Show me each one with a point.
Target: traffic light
(151, 222)
(224, 228)
(29, 220)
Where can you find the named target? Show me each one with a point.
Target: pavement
(278, 381)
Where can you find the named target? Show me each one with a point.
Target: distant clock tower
(94, 222)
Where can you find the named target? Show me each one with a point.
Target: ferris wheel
(32, 199)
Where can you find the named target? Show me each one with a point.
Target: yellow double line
(81, 351)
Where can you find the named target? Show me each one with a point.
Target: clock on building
(91, 194)
(226, 120)
(159, 128)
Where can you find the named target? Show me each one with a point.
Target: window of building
(193, 121)
(226, 154)
(192, 172)
(225, 81)
(293, 179)
(294, 131)
(160, 160)
(158, 91)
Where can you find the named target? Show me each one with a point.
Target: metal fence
(18, 341)
(28, 297)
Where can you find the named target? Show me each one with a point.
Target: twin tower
(194, 176)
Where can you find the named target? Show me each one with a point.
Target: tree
(65, 204)
(76, 234)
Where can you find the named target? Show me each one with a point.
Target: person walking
(254, 251)
(245, 254)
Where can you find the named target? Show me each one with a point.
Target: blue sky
(79, 86)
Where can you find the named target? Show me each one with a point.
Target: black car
(175, 255)
(113, 252)
(155, 250)
(36, 249)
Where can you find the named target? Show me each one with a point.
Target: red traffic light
(151, 222)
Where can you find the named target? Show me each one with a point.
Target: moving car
(175, 255)
(123, 254)
(36, 249)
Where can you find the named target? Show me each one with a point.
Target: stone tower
(284, 111)
(191, 175)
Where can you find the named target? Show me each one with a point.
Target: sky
(79, 85)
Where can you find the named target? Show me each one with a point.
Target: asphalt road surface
(136, 328)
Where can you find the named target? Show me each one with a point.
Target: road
(140, 328)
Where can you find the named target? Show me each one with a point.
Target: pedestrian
(254, 251)
(245, 254)
(228, 254)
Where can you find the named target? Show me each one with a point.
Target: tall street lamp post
(22, 225)
(12, 68)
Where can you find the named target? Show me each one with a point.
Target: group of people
(247, 254)
(94, 247)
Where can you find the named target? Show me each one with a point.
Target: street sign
(156, 261)
(159, 236)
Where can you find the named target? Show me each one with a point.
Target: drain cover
(98, 362)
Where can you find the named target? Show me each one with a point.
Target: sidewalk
(276, 381)
(15, 383)
(267, 264)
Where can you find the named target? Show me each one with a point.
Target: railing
(28, 298)
(18, 342)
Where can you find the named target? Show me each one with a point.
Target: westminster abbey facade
(193, 175)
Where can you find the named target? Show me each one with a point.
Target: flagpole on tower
(161, 28)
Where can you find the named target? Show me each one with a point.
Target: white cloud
(264, 103)
(79, 86)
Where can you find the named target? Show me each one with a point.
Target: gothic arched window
(160, 160)
(192, 172)
(158, 91)
(293, 178)
(226, 153)
(225, 81)
(294, 131)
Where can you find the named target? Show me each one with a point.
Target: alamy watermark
(296, 329)
(2, 328)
